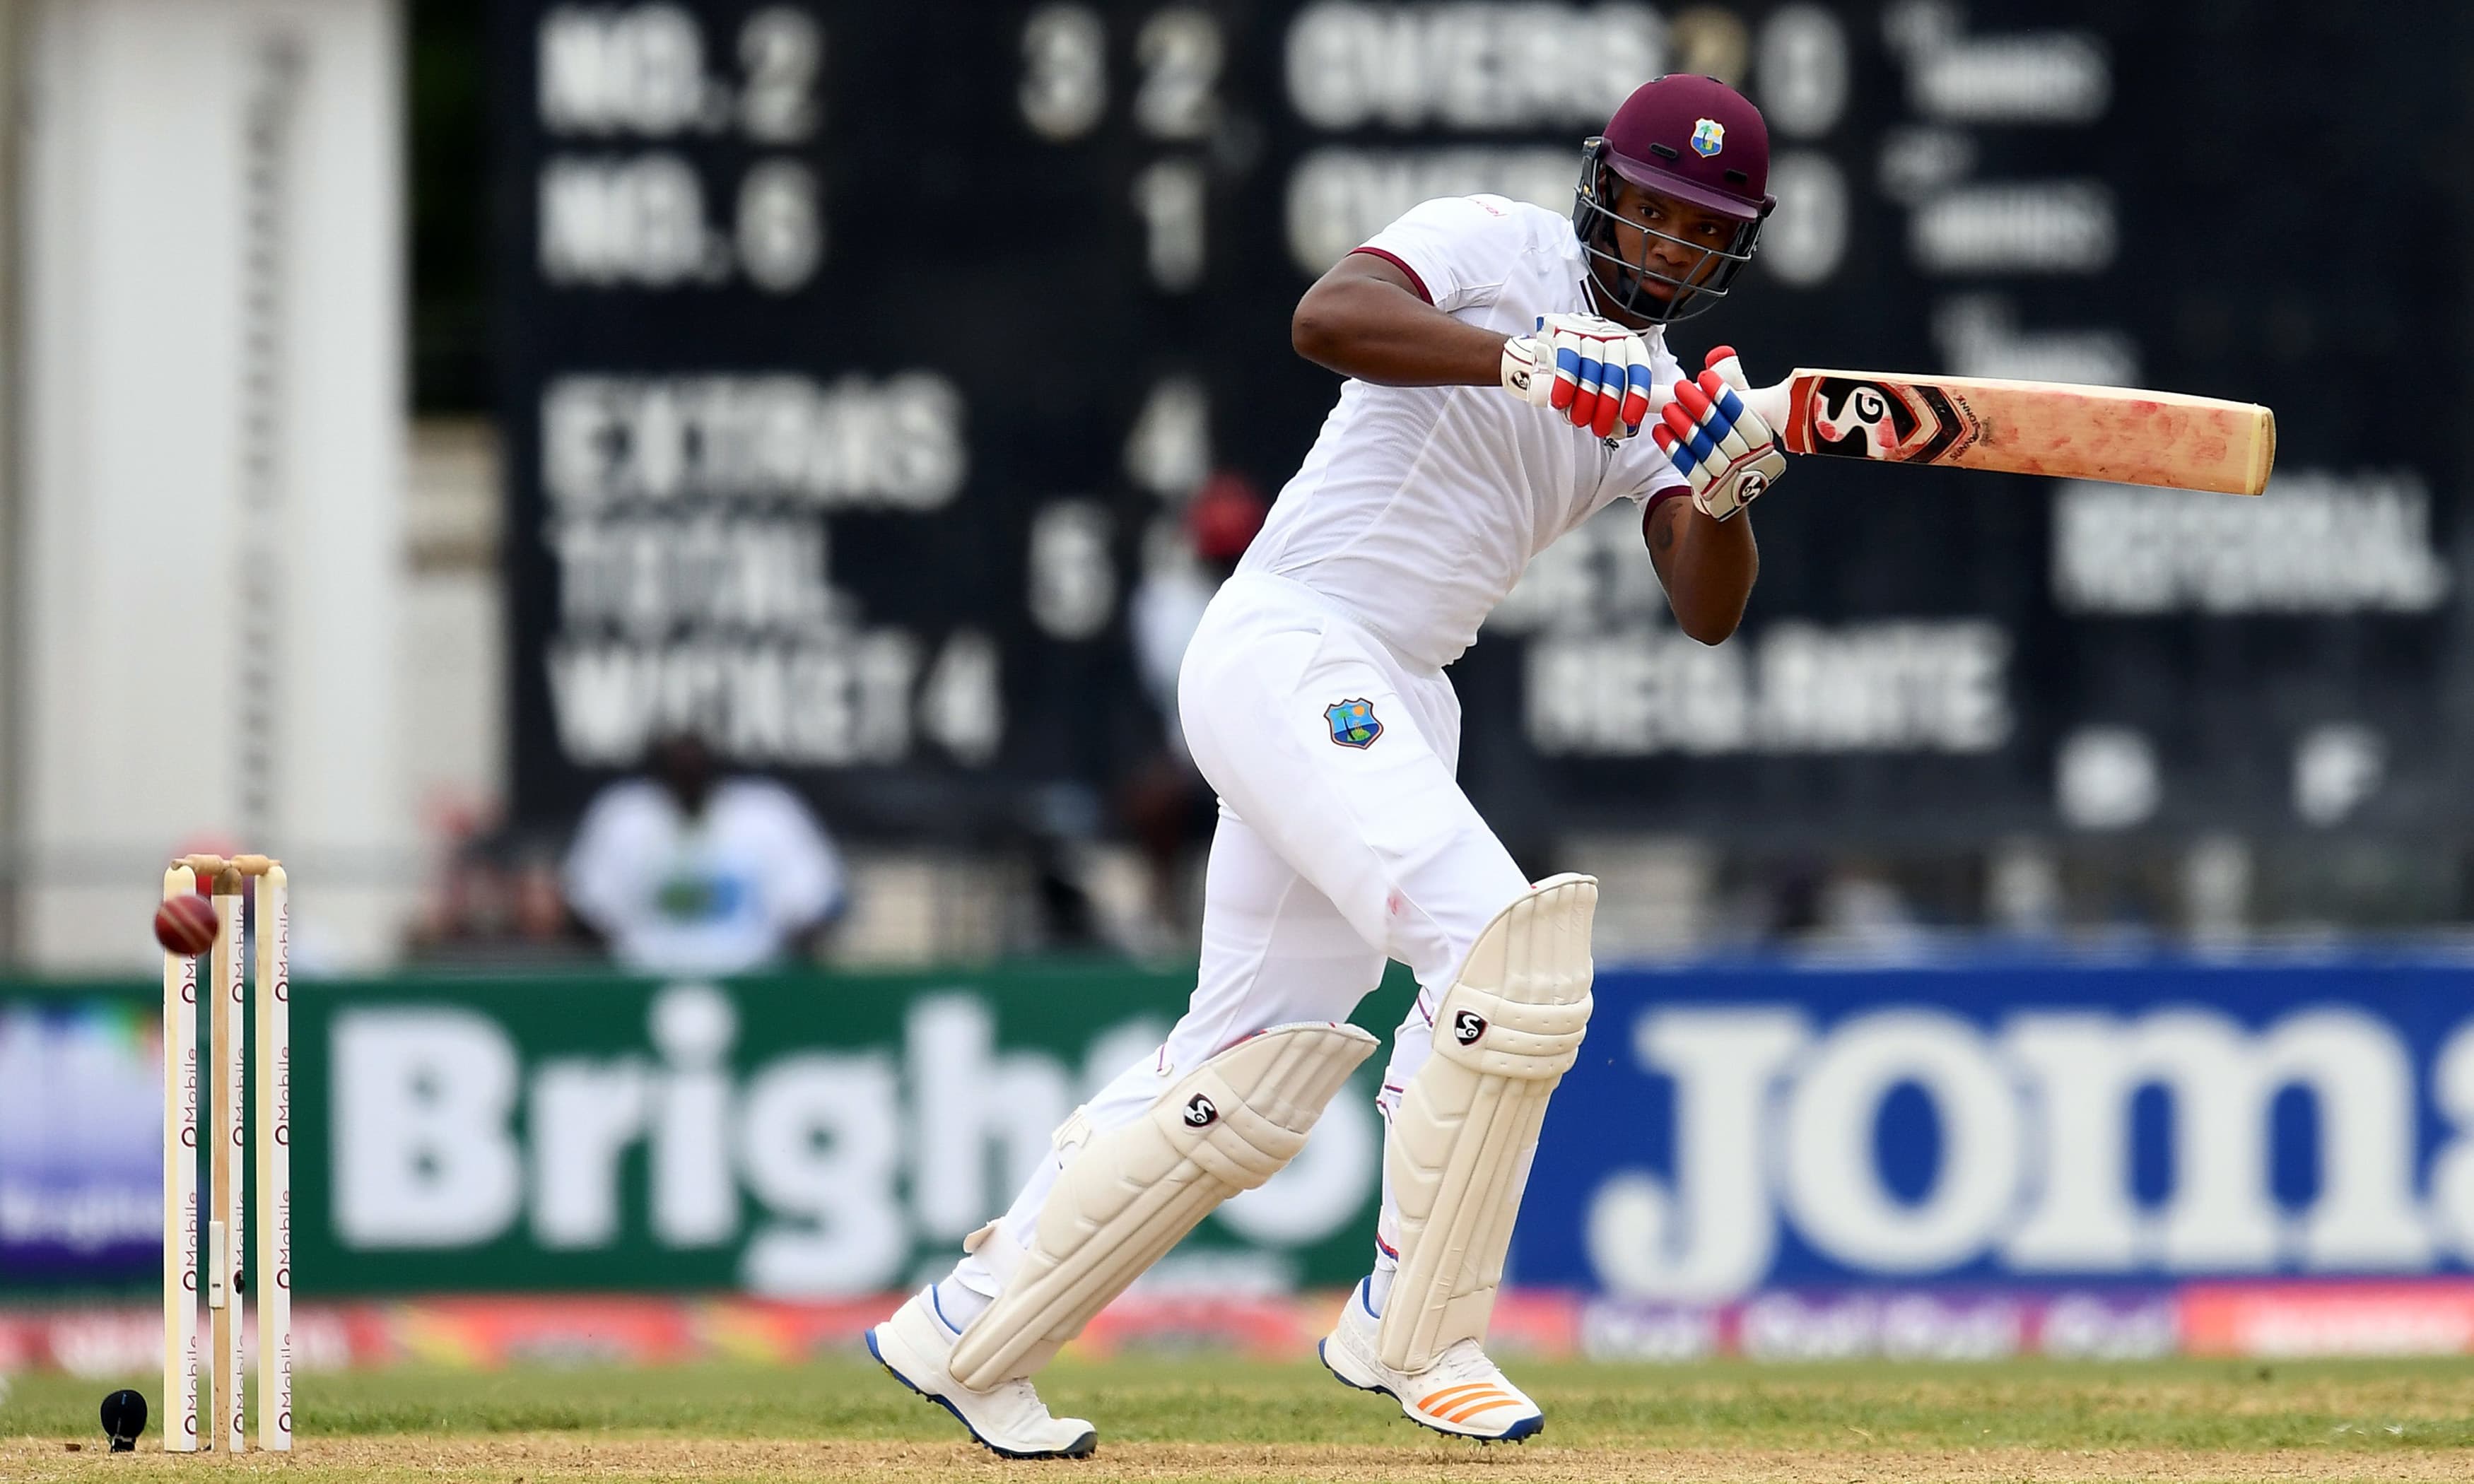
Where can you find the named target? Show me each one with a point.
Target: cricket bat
(2113, 434)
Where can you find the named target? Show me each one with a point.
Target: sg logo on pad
(1353, 723)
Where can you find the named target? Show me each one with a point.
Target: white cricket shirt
(1420, 506)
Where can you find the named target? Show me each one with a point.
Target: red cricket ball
(186, 924)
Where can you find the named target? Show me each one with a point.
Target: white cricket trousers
(1329, 858)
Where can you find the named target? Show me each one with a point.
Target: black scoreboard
(859, 360)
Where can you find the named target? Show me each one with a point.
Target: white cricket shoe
(1009, 1419)
(1463, 1393)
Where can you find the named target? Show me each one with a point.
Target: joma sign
(1976, 1134)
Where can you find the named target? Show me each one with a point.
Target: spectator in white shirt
(686, 873)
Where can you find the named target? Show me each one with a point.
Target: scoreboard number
(1064, 72)
(781, 232)
(1180, 52)
(782, 51)
(1169, 197)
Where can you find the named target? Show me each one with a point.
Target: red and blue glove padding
(1598, 393)
(1720, 445)
(1601, 372)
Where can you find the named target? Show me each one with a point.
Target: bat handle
(1770, 404)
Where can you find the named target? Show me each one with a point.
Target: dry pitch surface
(1193, 1420)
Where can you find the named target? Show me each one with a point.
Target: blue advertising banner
(81, 1141)
(1736, 1130)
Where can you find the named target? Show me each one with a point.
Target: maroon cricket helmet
(1694, 139)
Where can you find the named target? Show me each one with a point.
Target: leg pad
(1127, 1194)
(1459, 1152)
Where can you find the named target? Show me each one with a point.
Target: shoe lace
(1462, 1361)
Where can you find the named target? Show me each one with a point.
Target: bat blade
(2115, 434)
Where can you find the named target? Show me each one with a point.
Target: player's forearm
(1706, 566)
(1380, 332)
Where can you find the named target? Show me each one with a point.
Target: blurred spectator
(1166, 805)
(1057, 821)
(498, 901)
(1862, 911)
(686, 873)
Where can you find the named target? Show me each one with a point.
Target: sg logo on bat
(1908, 423)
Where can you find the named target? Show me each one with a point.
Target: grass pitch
(1206, 1421)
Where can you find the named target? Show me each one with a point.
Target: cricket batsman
(1503, 361)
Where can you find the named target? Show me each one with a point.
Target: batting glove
(1720, 445)
(1592, 370)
